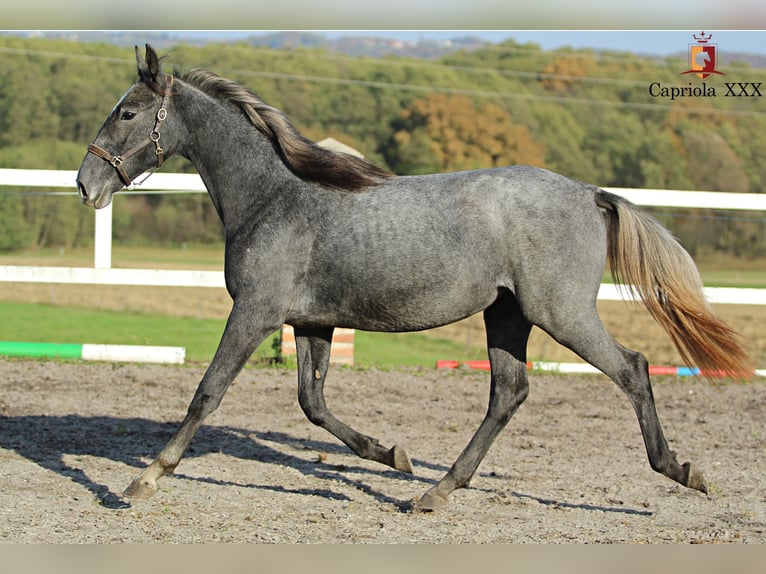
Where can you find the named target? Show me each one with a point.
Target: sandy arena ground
(570, 467)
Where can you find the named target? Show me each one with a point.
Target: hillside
(609, 118)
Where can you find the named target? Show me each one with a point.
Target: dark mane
(303, 157)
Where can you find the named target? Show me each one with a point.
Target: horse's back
(422, 251)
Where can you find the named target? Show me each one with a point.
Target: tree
(14, 232)
(713, 165)
(563, 134)
(25, 111)
(447, 132)
(561, 75)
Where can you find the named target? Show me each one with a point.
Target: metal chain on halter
(116, 161)
(162, 113)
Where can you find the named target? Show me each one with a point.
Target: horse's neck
(237, 163)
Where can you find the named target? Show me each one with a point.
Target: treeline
(588, 115)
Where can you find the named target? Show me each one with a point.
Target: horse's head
(134, 138)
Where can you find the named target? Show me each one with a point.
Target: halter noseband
(116, 161)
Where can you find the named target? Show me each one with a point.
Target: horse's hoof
(694, 478)
(141, 488)
(399, 459)
(429, 502)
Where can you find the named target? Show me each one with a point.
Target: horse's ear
(140, 61)
(153, 63)
(149, 66)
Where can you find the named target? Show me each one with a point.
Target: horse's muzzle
(82, 191)
(91, 199)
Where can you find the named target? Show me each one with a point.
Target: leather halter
(116, 161)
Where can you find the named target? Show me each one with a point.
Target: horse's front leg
(313, 348)
(240, 338)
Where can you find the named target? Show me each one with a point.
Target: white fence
(102, 272)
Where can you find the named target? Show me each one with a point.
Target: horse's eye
(127, 115)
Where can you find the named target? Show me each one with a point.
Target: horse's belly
(394, 308)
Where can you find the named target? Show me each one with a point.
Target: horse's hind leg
(507, 335)
(584, 333)
(313, 348)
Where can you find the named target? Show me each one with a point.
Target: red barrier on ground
(579, 368)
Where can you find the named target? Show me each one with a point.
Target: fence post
(102, 248)
(341, 351)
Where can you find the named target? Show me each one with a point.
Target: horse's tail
(647, 259)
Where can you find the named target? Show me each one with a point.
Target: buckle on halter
(116, 161)
(134, 184)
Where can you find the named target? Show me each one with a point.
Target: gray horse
(319, 239)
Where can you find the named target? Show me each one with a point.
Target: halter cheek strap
(116, 161)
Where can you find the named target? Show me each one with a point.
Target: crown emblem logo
(702, 57)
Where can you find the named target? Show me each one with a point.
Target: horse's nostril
(81, 189)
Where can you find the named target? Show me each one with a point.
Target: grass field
(208, 257)
(58, 324)
(194, 317)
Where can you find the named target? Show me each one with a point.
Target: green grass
(150, 257)
(749, 278)
(739, 278)
(58, 324)
(400, 349)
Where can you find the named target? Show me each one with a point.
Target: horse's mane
(303, 157)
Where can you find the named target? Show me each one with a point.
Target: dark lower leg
(637, 386)
(313, 347)
(235, 348)
(630, 371)
(507, 334)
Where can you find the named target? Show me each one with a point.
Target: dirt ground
(570, 467)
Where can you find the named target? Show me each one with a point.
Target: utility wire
(564, 100)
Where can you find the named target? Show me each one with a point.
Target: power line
(412, 63)
(564, 100)
(568, 100)
(67, 55)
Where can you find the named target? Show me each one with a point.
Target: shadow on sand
(47, 440)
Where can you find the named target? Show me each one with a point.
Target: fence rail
(192, 183)
(102, 272)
